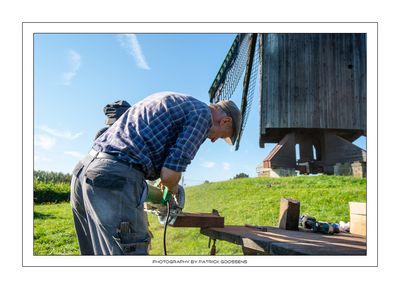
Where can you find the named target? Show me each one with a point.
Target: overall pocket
(105, 180)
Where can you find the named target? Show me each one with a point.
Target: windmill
(312, 95)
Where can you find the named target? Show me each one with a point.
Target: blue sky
(76, 75)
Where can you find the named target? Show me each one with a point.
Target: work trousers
(107, 204)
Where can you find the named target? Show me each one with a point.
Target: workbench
(277, 241)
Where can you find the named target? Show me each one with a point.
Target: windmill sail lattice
(239, 57)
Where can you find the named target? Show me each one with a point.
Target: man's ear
(225, 120)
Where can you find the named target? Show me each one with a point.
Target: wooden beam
(289, 214)
(199, 220)
(339, 150)
(283, 155)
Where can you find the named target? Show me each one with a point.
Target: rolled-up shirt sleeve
(192, 135)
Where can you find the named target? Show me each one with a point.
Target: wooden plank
(283, 242)
(201, 220)
(358, 224)
(359, 208)
(358, 218)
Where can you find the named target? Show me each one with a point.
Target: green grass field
(242, 201)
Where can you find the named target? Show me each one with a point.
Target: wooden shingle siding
(313, 80)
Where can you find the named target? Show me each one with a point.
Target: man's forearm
(170, 179)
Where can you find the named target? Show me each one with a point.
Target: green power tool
(164, 204)
(157, 201)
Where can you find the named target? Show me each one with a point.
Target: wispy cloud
(226, 166)
(74, 154)
(131, 44)
(208, 164)
(44, 141)
(61, 134)
(74, 59)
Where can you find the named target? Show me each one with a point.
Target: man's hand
(170, 179)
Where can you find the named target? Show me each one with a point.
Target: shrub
(45, 192)
(241, 175)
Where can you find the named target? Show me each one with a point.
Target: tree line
(57, 177)
(51, 177)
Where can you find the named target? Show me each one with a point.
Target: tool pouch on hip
(131, 243)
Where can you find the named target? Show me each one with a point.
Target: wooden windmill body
(313, 96)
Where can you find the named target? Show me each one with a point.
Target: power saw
(163, 203)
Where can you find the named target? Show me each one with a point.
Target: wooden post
(289, 214)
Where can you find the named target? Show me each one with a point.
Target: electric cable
(165, 228)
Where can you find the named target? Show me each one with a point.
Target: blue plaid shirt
(165, 129)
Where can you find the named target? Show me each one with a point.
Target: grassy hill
(241, 201)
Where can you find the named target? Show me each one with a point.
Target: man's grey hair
(219, 108)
